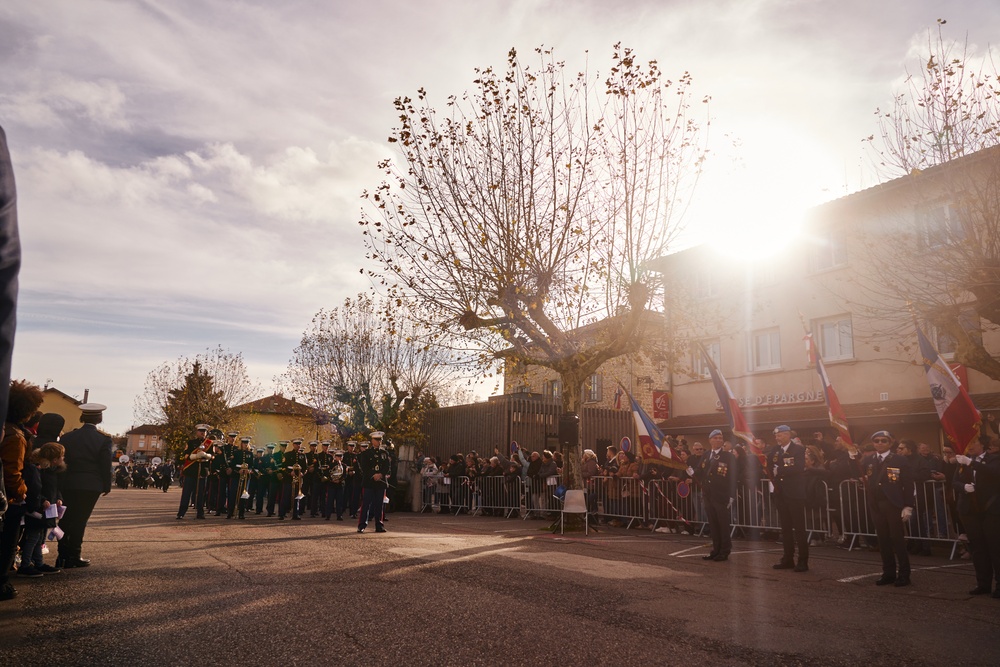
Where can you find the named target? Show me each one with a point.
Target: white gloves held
(962, 459)
(970, 488)
(690, 471)
(907, 513)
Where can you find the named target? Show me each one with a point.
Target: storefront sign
(790, 398)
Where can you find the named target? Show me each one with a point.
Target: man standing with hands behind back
(87, 477)
(716, 473)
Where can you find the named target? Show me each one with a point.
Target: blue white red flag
(619, 392)
(837, 415)
(652, 443)
(959, 417)
(737, 422)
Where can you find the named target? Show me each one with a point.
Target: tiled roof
(146, 429)
(276, 404)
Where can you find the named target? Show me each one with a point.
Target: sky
(189, 172)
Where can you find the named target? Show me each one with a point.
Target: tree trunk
(572, 400)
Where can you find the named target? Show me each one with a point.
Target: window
(592, 388)
(835, 338)
(829, 249)
(703, 283)
(698, 364)
(765, 350)
(553, 388)
(141, 438)
(938, 225)
(945, 343)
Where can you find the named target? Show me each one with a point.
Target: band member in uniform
(889, 487)
(716, 473)
(374, 467)
(275, 477)
(323, 462)
(216, 475)
(352, 487)
(310, 481)
(194, 469)
(335, 486)
(977, 489)
(291, 458)
(788, 463)
(257, 482)
(242, 455)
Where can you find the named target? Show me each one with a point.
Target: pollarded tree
(529, 207)
(205, 389)
(940, 141)
(363, 368)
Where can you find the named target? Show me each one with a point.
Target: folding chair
(574, 503)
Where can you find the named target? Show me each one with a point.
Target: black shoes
(885, 580)
(902, 581)
(783, 565)
(379, 530)
(720, 558)
(801, 567)
(7, 592)
(709, 556)
(71, 563)
(361, 530)
(980, 590)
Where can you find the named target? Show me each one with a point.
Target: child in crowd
(40, 497)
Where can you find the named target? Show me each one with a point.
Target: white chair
(574, 503)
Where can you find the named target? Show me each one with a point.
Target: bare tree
(206, 388)
(365, 369)
(938, 256)
(529, 208)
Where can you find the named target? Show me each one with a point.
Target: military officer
(889, 487)
(258, 482)
(374, 468)
(788, 463)
(977, 490)
(194, 469)
(716, 473)
(216, 475)
(321, 483)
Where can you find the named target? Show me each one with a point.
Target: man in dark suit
(788, 463)
(889, 487)
(87, 477)
(977, 492)
(716, 473)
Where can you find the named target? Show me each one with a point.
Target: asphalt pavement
(446, 590)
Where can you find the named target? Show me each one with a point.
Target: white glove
(729, 505)
(690, 471)
(970, 488)
(775, 473)
(907, 513)
(963, 460)
(770, 487)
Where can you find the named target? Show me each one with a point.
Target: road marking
(732, 553)
(847, 580)
(684, 551)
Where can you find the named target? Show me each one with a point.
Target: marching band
(225, 476)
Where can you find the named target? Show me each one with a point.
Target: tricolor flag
(618, 397)
(737, 422)
(959, 417)
(652, 443)
(833, 406)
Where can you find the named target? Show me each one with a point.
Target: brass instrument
(296, 471)
(337, 473)
(324, 472)
(241, 488)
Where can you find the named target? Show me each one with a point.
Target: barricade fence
(678, 505)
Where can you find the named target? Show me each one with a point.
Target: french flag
(959, 417)
(737, 422)
(837, 415)
(652, 443)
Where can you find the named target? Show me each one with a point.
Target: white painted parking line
(847, 580)
(684, 551)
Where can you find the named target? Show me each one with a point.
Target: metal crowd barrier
(540, 495)
(754, 511)
(498, 495)
(618, 498)
(931, 521)
(676, 506)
